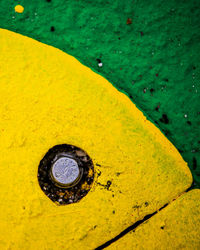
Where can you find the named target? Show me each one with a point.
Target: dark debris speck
(98, 60)
(52, 29)
(164, 119)
(152, 90)
(194, 161)
(157, 108)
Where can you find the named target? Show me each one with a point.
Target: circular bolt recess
(65, 172)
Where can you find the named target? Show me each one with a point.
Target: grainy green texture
(149, 50)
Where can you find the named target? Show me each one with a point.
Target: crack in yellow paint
(49, 98)
(175, 227)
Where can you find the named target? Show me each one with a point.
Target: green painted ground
(149, 50)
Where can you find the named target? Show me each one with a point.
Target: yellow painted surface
(19, 9)
(175, 227)
(49, 98)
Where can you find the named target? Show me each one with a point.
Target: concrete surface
(49, 98)
(150, 51)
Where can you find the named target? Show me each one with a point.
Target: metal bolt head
(65, 172)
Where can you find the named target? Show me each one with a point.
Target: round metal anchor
(65, 172)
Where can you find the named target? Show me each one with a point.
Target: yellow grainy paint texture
(175, 227)
(19, 9)
(49, 98)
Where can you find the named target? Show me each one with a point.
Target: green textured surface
(153, 57)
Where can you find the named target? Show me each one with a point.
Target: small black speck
(89, 180)
(48, 1)
(194, 67)
(167, 132)
(152, 90)
(166, 80)
(108, 184)
(194, 161)
(98, 60)
(146, 203)
(157, 108)
(136, 207)
(52, 28)
(113, 211)
(164, 119)
(98, 173)
(180, 150)
(162, 228)
(189, 123)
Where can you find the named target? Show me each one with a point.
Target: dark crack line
(127, 230)
(135, 225)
